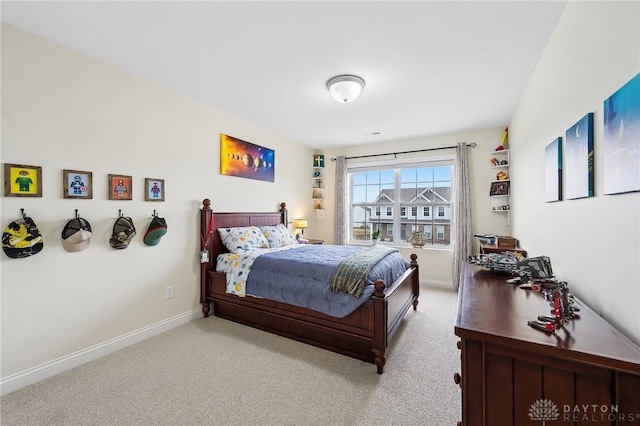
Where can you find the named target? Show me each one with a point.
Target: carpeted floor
(214, 372)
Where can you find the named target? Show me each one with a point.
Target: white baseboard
(57, 366)
(439, 284)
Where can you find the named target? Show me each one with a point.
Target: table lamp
(301, 224)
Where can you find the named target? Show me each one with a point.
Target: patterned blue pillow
(243, 238)
(278, 235)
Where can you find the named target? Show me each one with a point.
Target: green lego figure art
(23, 181)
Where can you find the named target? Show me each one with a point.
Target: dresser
(512, 374)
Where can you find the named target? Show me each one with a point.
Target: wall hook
(120, 213)
(24, 216)
(77, 216)
(155, 214)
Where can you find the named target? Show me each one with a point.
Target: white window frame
(395, 228)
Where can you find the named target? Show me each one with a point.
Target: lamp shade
(301, 223)
(345, 88)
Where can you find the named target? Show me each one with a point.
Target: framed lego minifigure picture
(77, 184)
(120, 187)
(154, 189)
(22, 181)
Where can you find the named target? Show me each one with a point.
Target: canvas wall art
(244, 159)
(553, 171)
(578, 154)
(621, 146)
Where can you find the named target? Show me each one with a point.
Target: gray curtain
(339, 233)
(461, 213)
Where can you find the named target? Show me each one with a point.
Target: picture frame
(553, 171)
(154, 189)
(244, 159)
(621, 144)
(21, 180)
(120, 187)
(77, 184)
(499, 188)
(579, 159)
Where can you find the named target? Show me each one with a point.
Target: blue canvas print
(621, 162)
(578, 154)
(553, 171)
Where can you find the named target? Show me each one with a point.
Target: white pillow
(243, 238)
(278, 236)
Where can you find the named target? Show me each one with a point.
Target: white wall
(61, 110)
(594, 243)
(435, 264)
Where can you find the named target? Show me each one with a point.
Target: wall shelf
(500, 188)
(317, 182)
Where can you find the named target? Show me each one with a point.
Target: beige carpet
(214, 372)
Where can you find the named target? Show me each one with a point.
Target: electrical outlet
(168, 292)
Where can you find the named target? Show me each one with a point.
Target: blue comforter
(302, 277)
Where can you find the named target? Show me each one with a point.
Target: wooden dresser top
(492, 311)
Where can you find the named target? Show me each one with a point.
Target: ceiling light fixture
(345, 88)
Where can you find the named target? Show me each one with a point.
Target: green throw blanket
(352, 272)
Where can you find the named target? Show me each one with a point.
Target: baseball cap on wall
(123, 232)
(76, 234)
(157, 229)
(21, 238)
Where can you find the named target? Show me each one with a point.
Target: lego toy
(502, 175)
(563, 310)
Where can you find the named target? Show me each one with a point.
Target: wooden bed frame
(364, 334)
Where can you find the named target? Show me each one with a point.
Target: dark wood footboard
(364, 334)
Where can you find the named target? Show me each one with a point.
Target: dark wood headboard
(210, 221)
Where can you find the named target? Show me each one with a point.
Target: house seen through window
(399, 200)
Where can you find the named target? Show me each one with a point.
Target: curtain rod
(472, 145)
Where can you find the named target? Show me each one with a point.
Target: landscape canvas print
(621, 145)
(244, 159)
(578, 167)
(553, 171)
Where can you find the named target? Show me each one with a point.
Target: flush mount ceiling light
(345, 88)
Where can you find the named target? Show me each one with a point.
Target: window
(401, 198)
(427, 233)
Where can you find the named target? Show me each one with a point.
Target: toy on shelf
(503, 140)
(502, 175)
(497, 163)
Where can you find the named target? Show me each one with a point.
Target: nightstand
(316, 242)
(493, 248)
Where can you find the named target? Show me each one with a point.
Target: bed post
(283, 213)
(415, 280)
(380, 325)
(206, 225)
